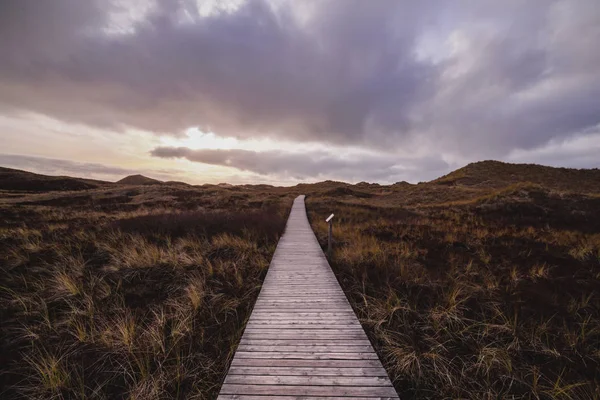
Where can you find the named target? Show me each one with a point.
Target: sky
(287, 91)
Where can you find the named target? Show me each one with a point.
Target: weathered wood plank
(269, 397)
(269, 362)
(306, 348)
(306, 333)
(303, 302)
(332, 335)
(296, 390)
(298, 323)
(301, 322)
(304, 342)
(299, 314)
(308, 380)
(307, 356)
(307, 371)
(291, 318)
(303, 338)
(292, 295)
(300, 326)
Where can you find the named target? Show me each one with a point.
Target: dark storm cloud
(497, 76)
(250, 72)
(533, 75)
(312, 164)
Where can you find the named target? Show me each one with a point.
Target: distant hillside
(467, 182)
(346, 191)
(177, 183)
(138, 180)
(324, 185)
(258, 187)
(496, 174)
(15, 179)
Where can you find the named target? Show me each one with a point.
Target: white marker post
(329, 238)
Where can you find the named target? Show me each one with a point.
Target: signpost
(329, 220)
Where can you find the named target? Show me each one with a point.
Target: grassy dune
(474, 292)
(130, 292)
(483, 284)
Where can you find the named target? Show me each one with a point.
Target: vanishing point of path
(303, 338)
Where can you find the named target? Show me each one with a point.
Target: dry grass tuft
(138, 293)
(493, 296)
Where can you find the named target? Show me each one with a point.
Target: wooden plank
(308, 380)
(259, 318)
(265, 322)
(307, 355)
(332, 335)
(329, 328)
(269, 362)
(307, 371)
(288, 308)
(293, 295)
(294, 313)
(334, 302)
(302, 342)
(315, 323)
(296, 390)
(303, 338)
(300, 321)
(299, 314)
(267, 397)
(305, 348)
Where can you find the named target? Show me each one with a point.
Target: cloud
(579, 151)
(52, 166)
(516, 80)
(469, 80)
(312, 165)
(254, 71)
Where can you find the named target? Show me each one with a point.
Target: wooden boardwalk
(303, 338)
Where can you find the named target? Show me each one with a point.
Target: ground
(482, 284)
(484, 289)
(129, 291)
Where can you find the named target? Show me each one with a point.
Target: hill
(18, 180)
(480, 284)
(497, 174)
(139, 180)
(131, 268)
(469, 182)
(464, 184)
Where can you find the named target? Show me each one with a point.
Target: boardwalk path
(303, 338)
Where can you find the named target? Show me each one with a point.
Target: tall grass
(137, 304)
(473, 302)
